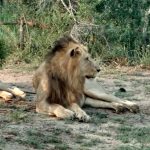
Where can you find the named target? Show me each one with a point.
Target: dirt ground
(21, 128)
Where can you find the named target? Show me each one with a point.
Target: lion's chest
(75, 97)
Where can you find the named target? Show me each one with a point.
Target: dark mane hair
(60, 45)
(62, 85)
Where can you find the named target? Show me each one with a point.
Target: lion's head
(68, 64)
(70, 57)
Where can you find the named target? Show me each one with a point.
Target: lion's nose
(98, 70)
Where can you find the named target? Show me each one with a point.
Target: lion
(64, 83)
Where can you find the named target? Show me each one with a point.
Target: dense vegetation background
(115, 31)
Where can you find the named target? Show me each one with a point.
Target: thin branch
(69, 11)
(25, 21)
(106, 42)
(8, 23)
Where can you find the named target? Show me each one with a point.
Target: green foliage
(145, 58)
(37, 41)
(119, 29)
(123, 24)
(3, 51)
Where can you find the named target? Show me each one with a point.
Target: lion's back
(38, 75)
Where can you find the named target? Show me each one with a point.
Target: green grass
(86, 142)
(39, 140)
(135, 83)
(147, 89)
(127, 147)
(145, 60)
(119, 83)
(62, 146)
(115, 42)
(99, 117)
(124, 94)
(91, 142)
(118, 119)
(19, 116)
(2, 142)
(79, 138)
(139, 134)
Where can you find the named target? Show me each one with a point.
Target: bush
(111, 29)
(4, 51)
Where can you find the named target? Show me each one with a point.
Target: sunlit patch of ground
(22, 128)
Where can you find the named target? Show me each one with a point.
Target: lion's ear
(74, 52)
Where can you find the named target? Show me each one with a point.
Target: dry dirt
(21, 128)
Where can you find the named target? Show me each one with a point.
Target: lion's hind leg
(103, 104)
(95, 95)
(7, 92)
(95, 91)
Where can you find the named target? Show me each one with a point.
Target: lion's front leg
(79, 113)
(54, 110)
(42, 105)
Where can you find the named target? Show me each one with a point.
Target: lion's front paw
(133, 107)
(63, 113)
(82, 116)
(66, 114)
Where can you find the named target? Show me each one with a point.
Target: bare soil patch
(21, 128)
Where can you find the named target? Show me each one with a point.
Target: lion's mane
(65, 78)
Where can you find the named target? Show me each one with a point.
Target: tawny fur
(60, 82)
